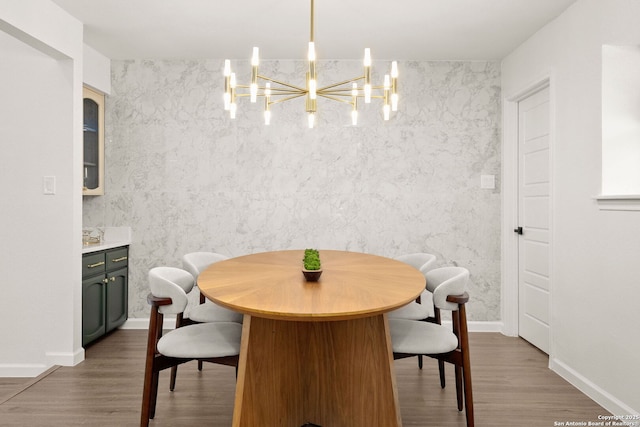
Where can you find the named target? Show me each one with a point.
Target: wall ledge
(618, 202)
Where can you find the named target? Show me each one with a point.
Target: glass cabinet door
(93, 131)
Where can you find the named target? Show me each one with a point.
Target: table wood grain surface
(271, 285)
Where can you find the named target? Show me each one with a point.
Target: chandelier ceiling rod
(340, 92)
(311, 30)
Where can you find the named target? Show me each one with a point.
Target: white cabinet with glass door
(93, 132)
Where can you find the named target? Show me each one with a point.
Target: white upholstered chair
(412, 338)
(422, 308)
(195, 263)
(206, 311)
(217, 342)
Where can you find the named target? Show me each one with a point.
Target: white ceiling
(393, 29)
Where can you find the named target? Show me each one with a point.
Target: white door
(534, 216)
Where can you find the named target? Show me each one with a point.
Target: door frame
(510, 181)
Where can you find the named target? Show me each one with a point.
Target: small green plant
(311, 260)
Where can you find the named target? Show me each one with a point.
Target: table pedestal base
(333, 374)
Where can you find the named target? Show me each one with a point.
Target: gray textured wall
(185, 177)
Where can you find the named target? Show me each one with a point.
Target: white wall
(595, 268)
(96, 70)
(40, 235)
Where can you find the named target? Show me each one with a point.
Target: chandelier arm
(334, 94)
(286, 99)
(281, 83)
(355, 79)
(283, 91)
(333, 98)
(341, 92)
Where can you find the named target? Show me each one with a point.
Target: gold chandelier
(347, 91)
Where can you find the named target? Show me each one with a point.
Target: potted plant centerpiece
(311, 266)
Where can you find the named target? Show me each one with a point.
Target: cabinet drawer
(93, 264)
(117, 258)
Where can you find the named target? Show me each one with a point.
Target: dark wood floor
(512, 387)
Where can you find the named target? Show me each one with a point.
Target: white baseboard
(22, 370)
(143, 323)
(170, 323)
(30, 370)
(597, 394)
(65, 359)
(485, 326)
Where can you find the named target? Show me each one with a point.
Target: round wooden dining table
(314, 352)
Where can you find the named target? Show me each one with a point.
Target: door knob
(518, 230)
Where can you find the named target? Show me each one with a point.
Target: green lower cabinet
(93, 305)
(105, 285)
(117, 298)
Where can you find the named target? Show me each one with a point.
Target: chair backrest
(171, 282)
(420, 260)
(445, 281)
(196, 262)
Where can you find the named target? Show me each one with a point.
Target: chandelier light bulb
(385, 111)
(267, 89)
(367, 57)
(394, 69)
(232, 80)
(232, 110)
(253, 91)
(312, 120)
(394, 102)
(367, 93)
(312, 88)
(227, 68)
(255, 59)
(227, 101)
(312, 52)
(267, 117)
(354, 89)
(354, 117)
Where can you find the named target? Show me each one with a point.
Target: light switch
(49, 185)
(488, 181)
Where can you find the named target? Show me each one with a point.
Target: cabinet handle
(112, 278)
(105, 280)
(97, 264)
(122, 258)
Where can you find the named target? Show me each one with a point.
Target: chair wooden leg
(468, 399)
(154, 395)
(466, 366)
(199, 365)
(172, 380)
(174, 369)
(150, 375)
(441, 369)
(419, 361)
(459, 391)
(146, 398)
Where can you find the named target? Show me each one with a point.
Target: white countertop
(113, 237)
